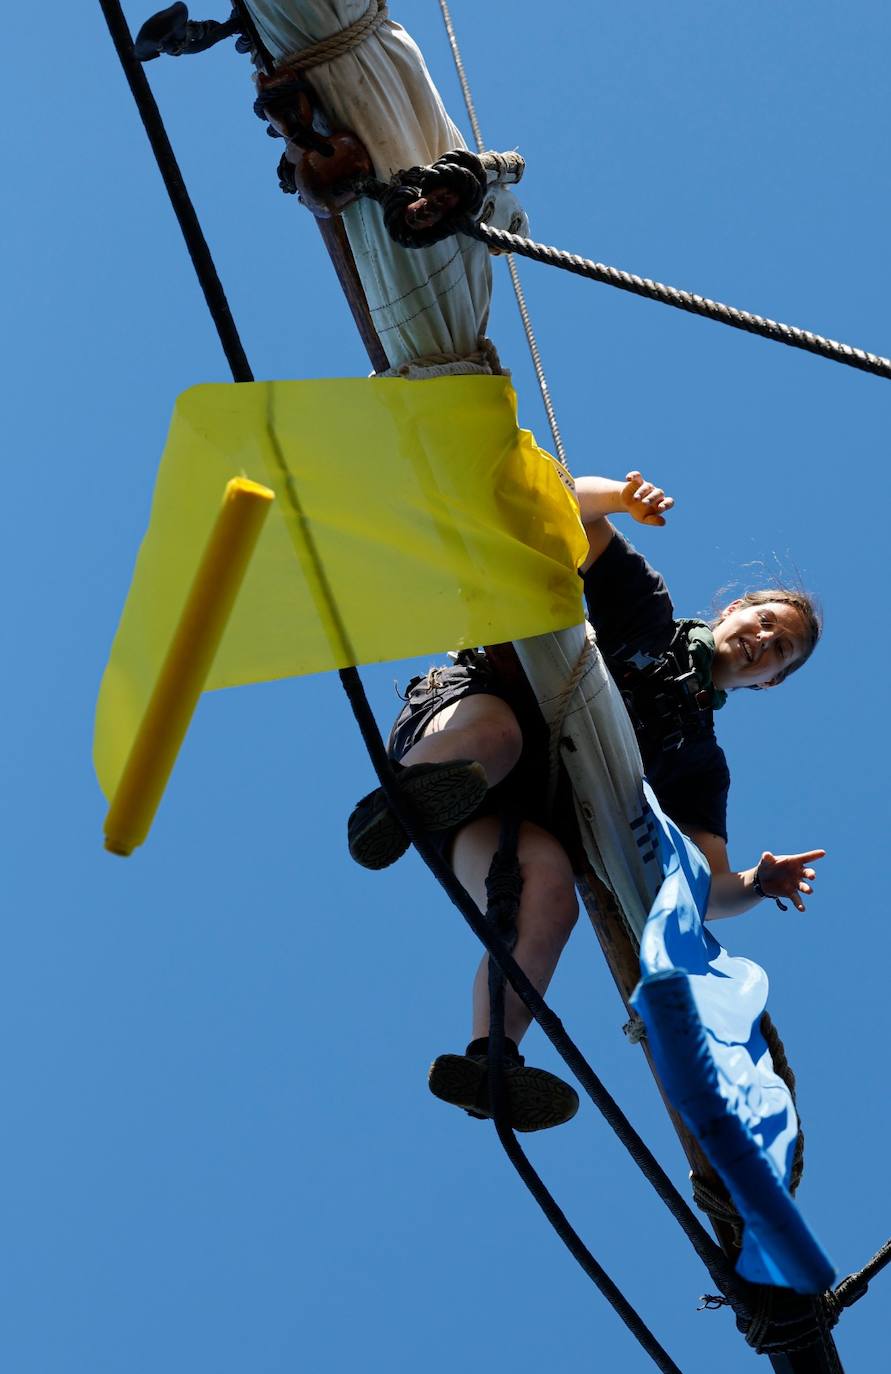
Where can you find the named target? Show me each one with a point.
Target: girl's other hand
(788, 875)
(644, 502)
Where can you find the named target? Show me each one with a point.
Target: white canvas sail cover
(427, 301)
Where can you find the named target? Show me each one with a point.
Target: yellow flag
(411, 517)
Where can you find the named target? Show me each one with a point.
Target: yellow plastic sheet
(411, 517)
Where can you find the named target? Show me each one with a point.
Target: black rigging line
(681, 300)
(196, 243)
(501, 1115)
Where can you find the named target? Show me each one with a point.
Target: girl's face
(754, 645)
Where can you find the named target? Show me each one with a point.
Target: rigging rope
(682, 300)
(559, 447)
(504, 888)
(196, 243)
(854, 1287)
(336, 44)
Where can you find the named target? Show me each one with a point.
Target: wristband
(756, 885)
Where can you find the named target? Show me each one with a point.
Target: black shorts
(524, 792)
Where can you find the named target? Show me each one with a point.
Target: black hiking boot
(536, 1099)
(441, 794)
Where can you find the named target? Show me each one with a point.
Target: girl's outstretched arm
(599, 497)
(784, 876)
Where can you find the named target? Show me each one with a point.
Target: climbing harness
(670, 696)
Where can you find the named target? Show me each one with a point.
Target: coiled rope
(803, 1322)
(336, 44)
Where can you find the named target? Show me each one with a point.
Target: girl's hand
(644, 502)
(787, 875)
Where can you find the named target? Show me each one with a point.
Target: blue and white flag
(702, 1008)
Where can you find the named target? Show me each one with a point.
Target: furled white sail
(425, 303)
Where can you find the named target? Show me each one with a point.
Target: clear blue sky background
(219, 1151)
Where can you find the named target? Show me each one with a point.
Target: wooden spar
(617, 946)
(334, 237)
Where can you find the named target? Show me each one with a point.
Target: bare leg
(547, 913)
(480, 727)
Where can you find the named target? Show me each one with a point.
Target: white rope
(559, 449)
(485, 361)
(336, 44)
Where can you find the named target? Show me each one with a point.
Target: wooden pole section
(186, 664)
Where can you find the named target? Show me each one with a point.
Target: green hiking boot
(536, 1099)
(441, 795)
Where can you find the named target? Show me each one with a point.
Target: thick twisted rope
(717, 1206)
(504, 889)
(567, 693)
(800, 1323)
(681, 300)
(336, 44)
(854, 1287)
(783, 1070)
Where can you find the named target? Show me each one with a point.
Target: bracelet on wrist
(757, 887)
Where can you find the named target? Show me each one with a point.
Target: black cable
(682, 300)
(498, 1097)
(184, 210)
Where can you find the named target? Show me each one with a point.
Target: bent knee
(486, 728)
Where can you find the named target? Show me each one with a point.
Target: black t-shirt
(631, 611)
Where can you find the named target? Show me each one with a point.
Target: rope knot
(287, 103)
(423, 205)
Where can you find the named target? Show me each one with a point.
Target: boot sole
(537, 1100)
(441, 798)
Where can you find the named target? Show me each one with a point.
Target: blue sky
(220, 1153)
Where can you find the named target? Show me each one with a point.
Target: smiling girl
(467, 750)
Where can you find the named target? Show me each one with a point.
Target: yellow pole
(186, 665)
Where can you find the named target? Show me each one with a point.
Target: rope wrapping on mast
(336, 44)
